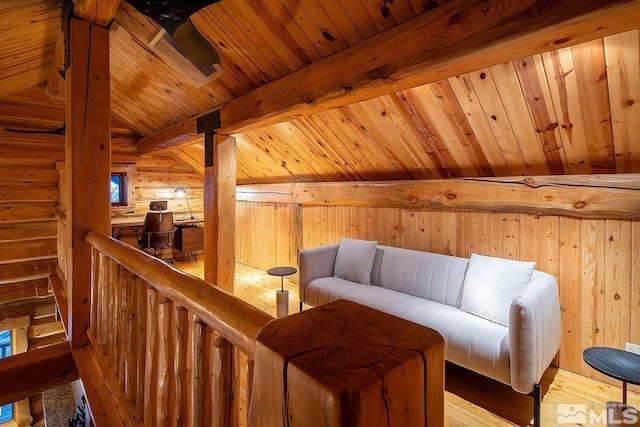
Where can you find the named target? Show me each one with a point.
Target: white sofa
(498, 317)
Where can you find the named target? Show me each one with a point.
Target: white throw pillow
(491, 284)
(355, 260)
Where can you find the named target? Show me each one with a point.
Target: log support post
(219, 203)
(88, 159)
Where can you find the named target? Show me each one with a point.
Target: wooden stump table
(344, 364)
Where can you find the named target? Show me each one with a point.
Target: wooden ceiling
(567, 111)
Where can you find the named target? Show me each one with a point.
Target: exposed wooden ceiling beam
(99, 12)
(457, 37)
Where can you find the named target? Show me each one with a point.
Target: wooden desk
(189, 239)
(119, 223)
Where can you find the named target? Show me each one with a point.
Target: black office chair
(157, 232)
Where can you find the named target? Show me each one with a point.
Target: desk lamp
(180, 191)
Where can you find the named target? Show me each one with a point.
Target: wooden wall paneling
(13, 213)
(623, 68)
(28, 250)
(435, 231)
(593, 289)
(477, 120)
(635, 282)
(463, 234)
(376, 225)
(569, 280)
(563, 86)
(493, 231)
(530, 71)
(617, 283)
(358, 222)
(449, 241)
(491, 102)
(515, 106)
(477, 235)
(511, 236)
(590, 68)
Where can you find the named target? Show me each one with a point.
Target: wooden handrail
(237, 321)
(166, 344)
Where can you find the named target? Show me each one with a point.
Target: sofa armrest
(534, 331)
(314, 263)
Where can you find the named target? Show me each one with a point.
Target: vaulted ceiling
(568, 111)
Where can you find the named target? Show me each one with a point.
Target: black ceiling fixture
(173, 16)
(58, 131)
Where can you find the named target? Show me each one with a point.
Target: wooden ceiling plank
(351, 116)
(623, 68)
(334, 22)
(359, 16)
(349, 151)
(448, 141)
(301, 18)
(470, 103)
(323, 140)
(270, 27)
(395, 111)
(260, 55)
(415, 53)
(536, 94)
(265, 26)
(453, 111)
(377, 125)
(400, 11)
(591, 72)
(563, 85)
(282, 15)
(512, 98)
(374, 11)
(342, 19)
(491, 102)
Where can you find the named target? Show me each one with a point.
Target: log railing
(169, 344)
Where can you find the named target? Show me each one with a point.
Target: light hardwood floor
(470, 399)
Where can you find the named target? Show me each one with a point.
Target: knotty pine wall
(595, 261)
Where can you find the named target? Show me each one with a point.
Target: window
(123, 196)
(119, 189)
(6, 411)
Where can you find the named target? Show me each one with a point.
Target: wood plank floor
(470, 399)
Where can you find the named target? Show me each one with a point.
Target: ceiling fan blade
(58, 131)
(173, 16)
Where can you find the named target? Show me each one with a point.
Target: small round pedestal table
(621, 365)
(282, 296)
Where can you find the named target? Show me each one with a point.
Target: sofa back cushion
(426, 275)
(491, 284)
(354, 260)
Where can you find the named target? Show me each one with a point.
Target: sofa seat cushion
(470, 341)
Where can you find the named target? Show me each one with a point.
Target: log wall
(595, 261)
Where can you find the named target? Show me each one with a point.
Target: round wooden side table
(282, 296)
